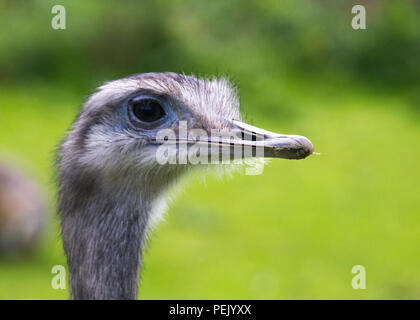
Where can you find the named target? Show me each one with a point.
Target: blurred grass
(293, 232)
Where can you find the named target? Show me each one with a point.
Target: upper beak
(274, 145)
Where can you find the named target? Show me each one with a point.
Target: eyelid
(145, 97)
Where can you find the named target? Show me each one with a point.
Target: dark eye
(147, 110)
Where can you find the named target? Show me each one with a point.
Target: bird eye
(147, 110)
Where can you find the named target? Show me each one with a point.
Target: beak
(274, 145)
(246, 141)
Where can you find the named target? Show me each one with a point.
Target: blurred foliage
(293, 232)
(106, 39)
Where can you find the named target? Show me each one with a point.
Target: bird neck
(103, 235)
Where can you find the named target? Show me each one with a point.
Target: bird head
(143, 121)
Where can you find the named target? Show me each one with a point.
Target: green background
(294, 232)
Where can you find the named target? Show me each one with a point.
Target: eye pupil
(148, 110)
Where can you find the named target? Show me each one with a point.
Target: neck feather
(104, 231)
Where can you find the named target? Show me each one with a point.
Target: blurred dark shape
(22, 212)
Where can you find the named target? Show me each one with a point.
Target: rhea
(112, 186)
(22, 212)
